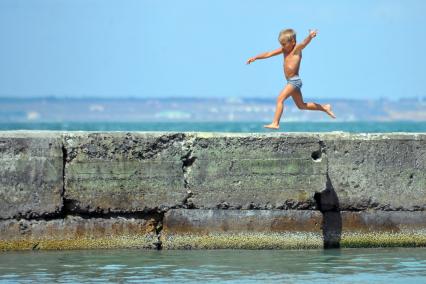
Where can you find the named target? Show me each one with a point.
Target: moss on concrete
(291, 240)
(226, 241)
(384, 239)
(81, 243)
(243, 241)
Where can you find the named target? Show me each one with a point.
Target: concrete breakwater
(64, 190)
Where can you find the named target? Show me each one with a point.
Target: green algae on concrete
(107, 242)
(241, 229)
(244, 240)
(374, 228)
(383, 239)
(75, 232)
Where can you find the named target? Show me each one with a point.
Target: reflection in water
(393, 265)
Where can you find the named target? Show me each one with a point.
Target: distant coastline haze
(51, 109)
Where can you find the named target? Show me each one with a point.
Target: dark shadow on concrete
(328, 203)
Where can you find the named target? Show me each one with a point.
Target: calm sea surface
(396, 265)
(356, 127)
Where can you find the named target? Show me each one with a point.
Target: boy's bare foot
(327, 109)
(272, 126)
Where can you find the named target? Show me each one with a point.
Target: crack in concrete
(36, 246)
(64, 162)
(158, 229)
(187, 161)
(328, 204)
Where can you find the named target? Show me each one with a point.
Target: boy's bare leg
(285, 93)
(298, 100)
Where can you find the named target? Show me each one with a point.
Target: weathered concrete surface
(382, 228)
(376, 220)
(255, 229)
(265, 229)
(130, 172)
(117, 172)
(255, 171)
(381, 171)
(76, 232)
(31, 174)
(297, 179)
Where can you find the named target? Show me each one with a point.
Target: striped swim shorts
(295, 81)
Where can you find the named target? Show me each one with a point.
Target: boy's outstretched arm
(307, 40)
(265, 55)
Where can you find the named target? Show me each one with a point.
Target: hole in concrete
(410, 181)
(316, 155)
(189, 161)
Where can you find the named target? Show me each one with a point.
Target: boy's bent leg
(285, 93)
(298, 100)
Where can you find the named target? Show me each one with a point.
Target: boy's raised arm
(265, 55)
(307, 40)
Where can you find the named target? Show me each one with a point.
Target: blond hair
(286, 36)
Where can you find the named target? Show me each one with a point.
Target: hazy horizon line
(55, 97)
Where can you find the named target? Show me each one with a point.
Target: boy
(292, 57)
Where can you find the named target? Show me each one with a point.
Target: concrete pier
(64, 190)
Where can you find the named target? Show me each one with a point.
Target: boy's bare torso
(292, 63)
(292, 57)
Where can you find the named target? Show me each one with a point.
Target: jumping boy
(292, 57)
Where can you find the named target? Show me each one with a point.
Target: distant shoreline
(203, 109)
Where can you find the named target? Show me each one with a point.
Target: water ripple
(390, 265)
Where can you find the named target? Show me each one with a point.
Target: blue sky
(195, 48)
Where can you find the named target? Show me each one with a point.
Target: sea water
(380, 265)
(354, 127)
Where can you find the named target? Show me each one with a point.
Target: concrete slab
(380, 171)
(31, 174)
(75, 232)
(251, 229)
(119, 172)
(261, 171)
